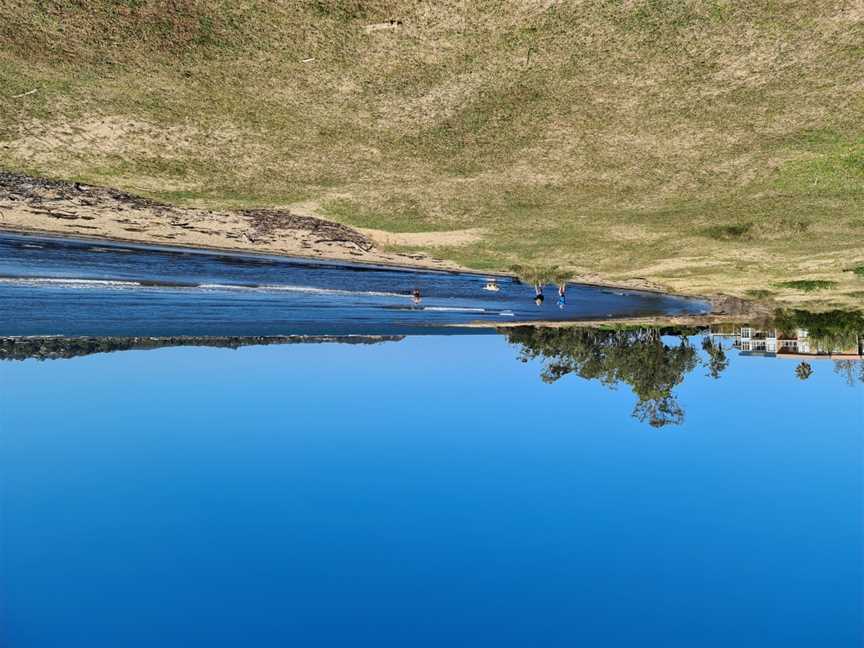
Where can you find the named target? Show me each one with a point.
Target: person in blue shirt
(562, 295)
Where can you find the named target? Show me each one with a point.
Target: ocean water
(55, 286)
(430, 491)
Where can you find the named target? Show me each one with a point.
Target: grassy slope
(705, 144)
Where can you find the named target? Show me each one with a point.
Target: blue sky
(423, 492)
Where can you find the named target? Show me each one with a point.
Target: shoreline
(41, 206)
(415, 267)
(237, 251)
(659, 321)
(61, 209)
(48, 207)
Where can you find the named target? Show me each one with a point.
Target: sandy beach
(29, 204)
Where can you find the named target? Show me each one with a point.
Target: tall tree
(638, 358)
(850, 370)
(717, 360)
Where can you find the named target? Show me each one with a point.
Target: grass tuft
(808, 285)
(759, 293)
(728, 232)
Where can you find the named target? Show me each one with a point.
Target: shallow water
(53, 286)
(424, 492)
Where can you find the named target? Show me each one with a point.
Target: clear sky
(423, 493)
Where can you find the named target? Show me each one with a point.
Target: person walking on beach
(562, 295)
(538, 294)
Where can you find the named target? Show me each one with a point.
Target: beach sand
(30, 204)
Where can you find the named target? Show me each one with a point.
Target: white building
(750, 340)
(772, 341)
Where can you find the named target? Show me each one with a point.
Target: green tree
(835, 330)
(804, 371)
(718, 362)
(850, 370)
(638, 358)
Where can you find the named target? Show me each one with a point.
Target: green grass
(687, 143)
(808, 285)
(760, 293)
(394, 214)
(838, 169)
(729, 232)
(858, 270)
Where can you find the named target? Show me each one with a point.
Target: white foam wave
(108, 249)
(302, 289)
(454, 309)
(71, 282)
(57, 281)
(75, 283)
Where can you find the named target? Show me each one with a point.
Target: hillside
(702, 145)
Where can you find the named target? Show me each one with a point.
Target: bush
(808, 285)
(759, 293)
(728, 232)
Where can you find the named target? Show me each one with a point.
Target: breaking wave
(454, 309)
(71, 282)
(301, 289)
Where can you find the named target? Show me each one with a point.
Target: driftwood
(59, 199)
(267, 223)
(32, 190)
(53, 213)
